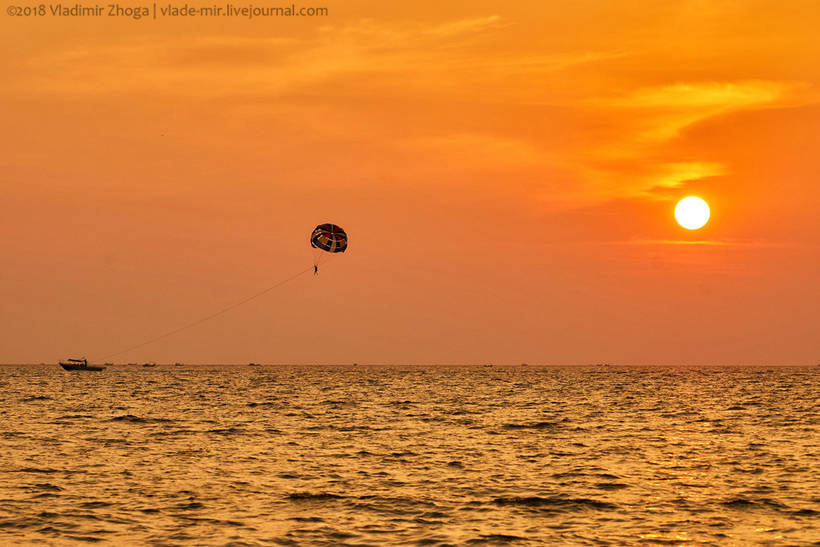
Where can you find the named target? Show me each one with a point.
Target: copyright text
(155, 11)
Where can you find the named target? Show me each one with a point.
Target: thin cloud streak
(704, 243)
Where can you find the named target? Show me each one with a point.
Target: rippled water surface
(410, 456)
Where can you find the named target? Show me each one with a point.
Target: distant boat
(254, 365)
(79, 364)
(149, 365)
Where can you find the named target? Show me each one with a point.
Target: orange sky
(507, 172)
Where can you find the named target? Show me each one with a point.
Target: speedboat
(79, 364)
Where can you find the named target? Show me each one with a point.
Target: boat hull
(70, 366)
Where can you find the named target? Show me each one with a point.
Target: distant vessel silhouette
(79, 364)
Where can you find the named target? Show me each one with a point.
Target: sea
(410, 455)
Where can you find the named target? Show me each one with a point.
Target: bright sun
(692, 213)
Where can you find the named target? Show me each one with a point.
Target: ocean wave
(611, 485)
(209, 458)
(39, 470)
(495, 538)
(569, 503)
(20, 523)
(190, 506)
(313, 496)
(138, 420)
(95, 504)
(228, 430)
(45, 486)
(532, 425)
(744, 503)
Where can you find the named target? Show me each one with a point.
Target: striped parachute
(329, 237)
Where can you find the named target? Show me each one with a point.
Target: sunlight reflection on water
(410, 455)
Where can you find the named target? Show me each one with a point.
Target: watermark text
(158, 10)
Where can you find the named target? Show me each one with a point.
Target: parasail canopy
(329, 237)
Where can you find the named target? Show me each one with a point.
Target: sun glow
(692, 213)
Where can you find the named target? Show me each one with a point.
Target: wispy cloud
(463, 26)
(457, 91)
(640, 163)
(703, 94)
(703, 243)
(452, 54)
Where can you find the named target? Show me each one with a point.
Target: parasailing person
(328, 238)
